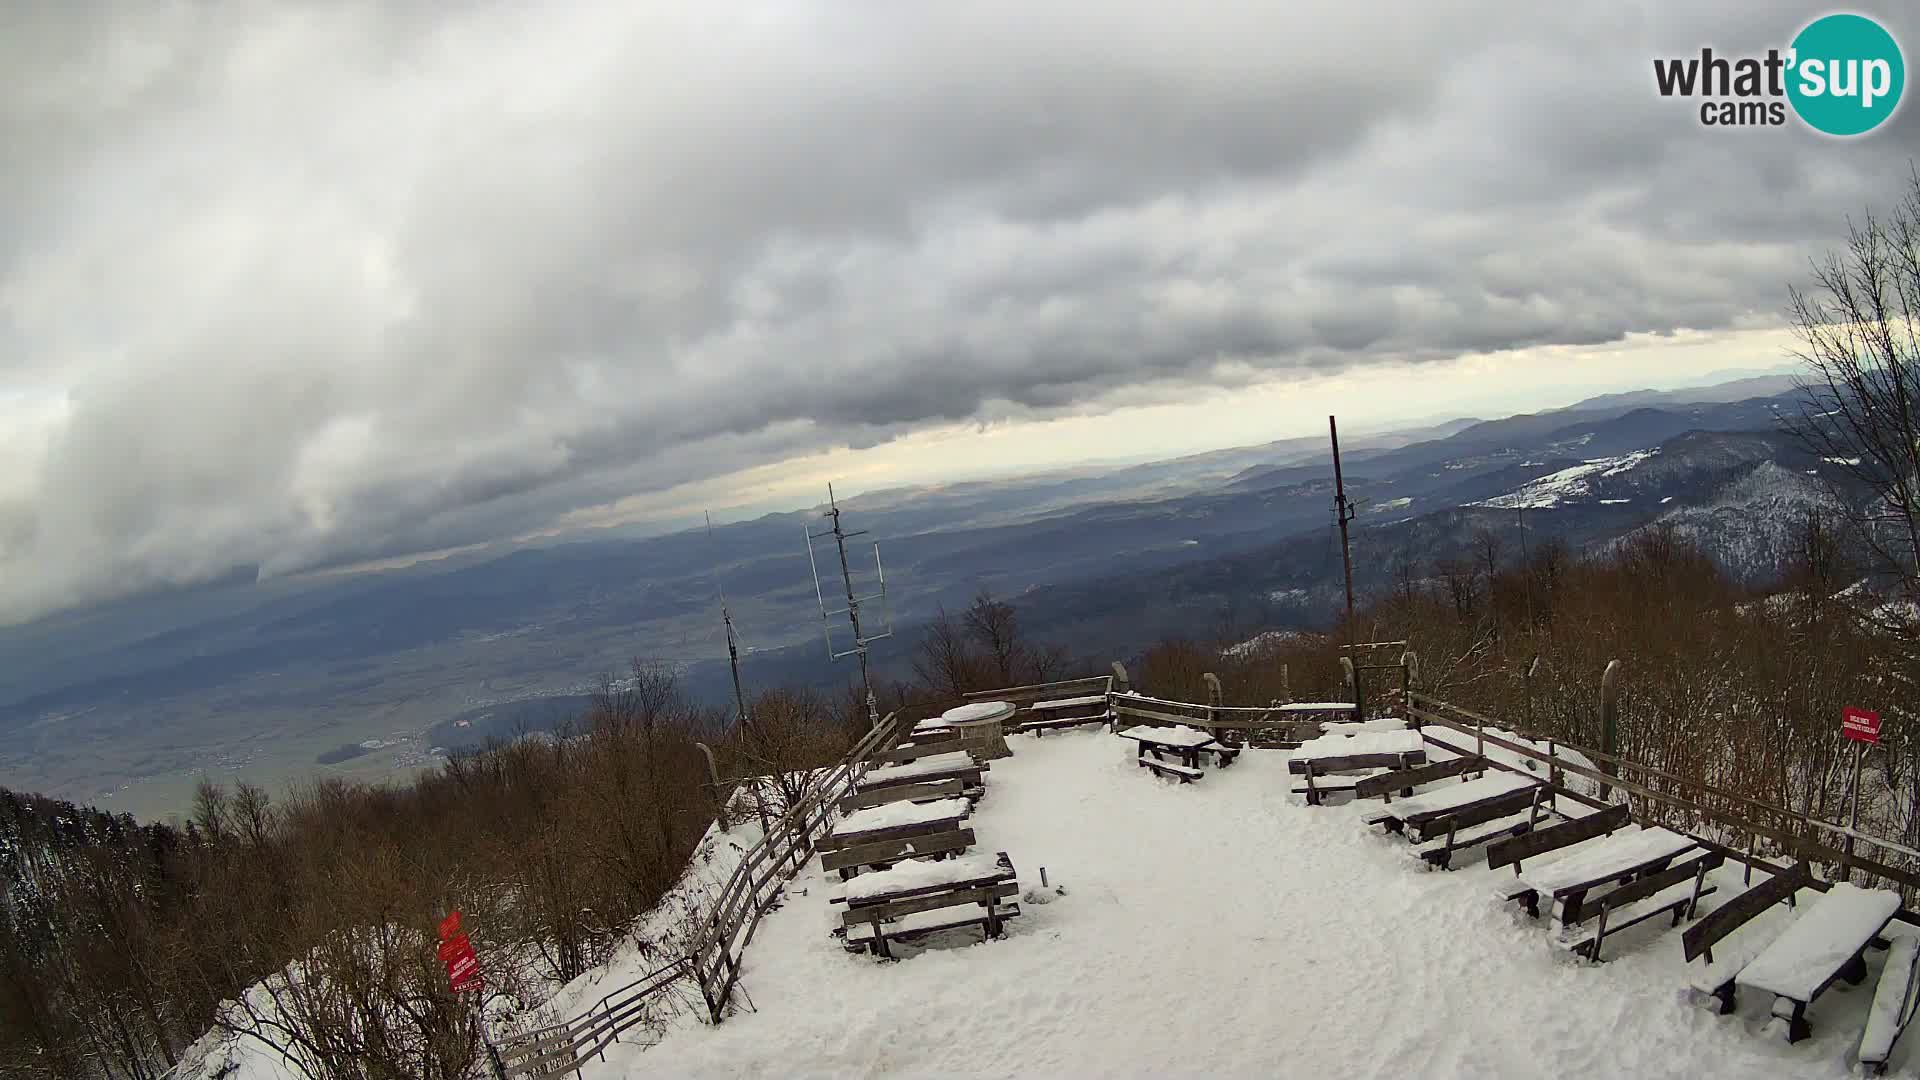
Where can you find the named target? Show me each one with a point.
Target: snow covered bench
(1439, 850)
(1894, 1001)
(918, 897)
(922, 792)
(1661, 893)
(947, 764)
(1457, 806)
(1620, 857)
(872, 928)
(1715, 976)
(1405, 780)
(1826, 943)
(895, 821)
(1540, 842)
(846, 860)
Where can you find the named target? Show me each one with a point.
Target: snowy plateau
(1221, 928)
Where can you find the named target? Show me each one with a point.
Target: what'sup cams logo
(1842, 75)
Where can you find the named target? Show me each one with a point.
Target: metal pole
(1853, 817)
(1344, 511)
(853, 608)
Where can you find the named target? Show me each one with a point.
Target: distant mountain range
(370, 672)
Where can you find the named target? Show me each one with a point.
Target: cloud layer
(325, 283)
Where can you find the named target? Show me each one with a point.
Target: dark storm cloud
(311, 284)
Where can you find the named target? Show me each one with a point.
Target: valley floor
(1225, 929)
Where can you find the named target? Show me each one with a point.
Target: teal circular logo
(1846, 74)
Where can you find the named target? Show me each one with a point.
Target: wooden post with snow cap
(1353, 686)
(1120, 683)
(1286, 686)
(1409, 672)
(713, 785)
(1609, 723)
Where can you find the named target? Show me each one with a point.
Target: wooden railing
(1748, 828)
(1024, 697)
(713, 961)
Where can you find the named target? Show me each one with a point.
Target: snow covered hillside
(1223, 928)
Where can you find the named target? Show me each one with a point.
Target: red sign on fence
(1860, 725)
(463, 967)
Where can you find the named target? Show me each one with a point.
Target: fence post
(1609, 724)
(1353, 686)
(1120, 677)
(1286, 686)
(713, 785)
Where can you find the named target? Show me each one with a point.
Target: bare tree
(1860, 342)
(994, 625)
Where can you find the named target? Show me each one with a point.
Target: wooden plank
(1375, 786)
(1347, 762)
(881, 912)
(895, 850)
(1540, 841)
(881, 796)
(859, 937)
(968, 775)
(1735, 913)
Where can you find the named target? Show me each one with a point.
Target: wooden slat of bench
(872, 913)
(1727, 918)
(1374, 787)
(837, 841)
(895, 850)
(881, 796)
(1440, 849)
(1541, 841)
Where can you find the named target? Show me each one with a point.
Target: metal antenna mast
(852, 611)
(1344, 511)
(733, 640)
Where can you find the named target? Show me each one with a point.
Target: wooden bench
(1489, 819)
(1894, 1000)
(880, 796)
(1640, 900)
(1827, 943)
(1405, 780)
(847, 860)
(1716, 977)
(1620, 857)
(1439, 849)
(1538, 842)
(950, 764)
(867, 927)
(1045, 716)
(1457, 806)
(1318, 770)
(1183, 773)
(957, 872)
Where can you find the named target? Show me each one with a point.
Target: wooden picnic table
(1184, 741)
(1624, 855)
(1826, 943)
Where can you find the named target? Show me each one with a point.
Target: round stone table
(978, 724)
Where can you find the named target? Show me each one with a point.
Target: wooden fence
(713, 962)
(1749, 829)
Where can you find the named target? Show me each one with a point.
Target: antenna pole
(733, 643)
(1344, 510)
(853, 606)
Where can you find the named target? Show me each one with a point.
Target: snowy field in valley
(1223, 928)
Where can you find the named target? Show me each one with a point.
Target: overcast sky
(299, 285)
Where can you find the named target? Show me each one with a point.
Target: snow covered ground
(1223, 928)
